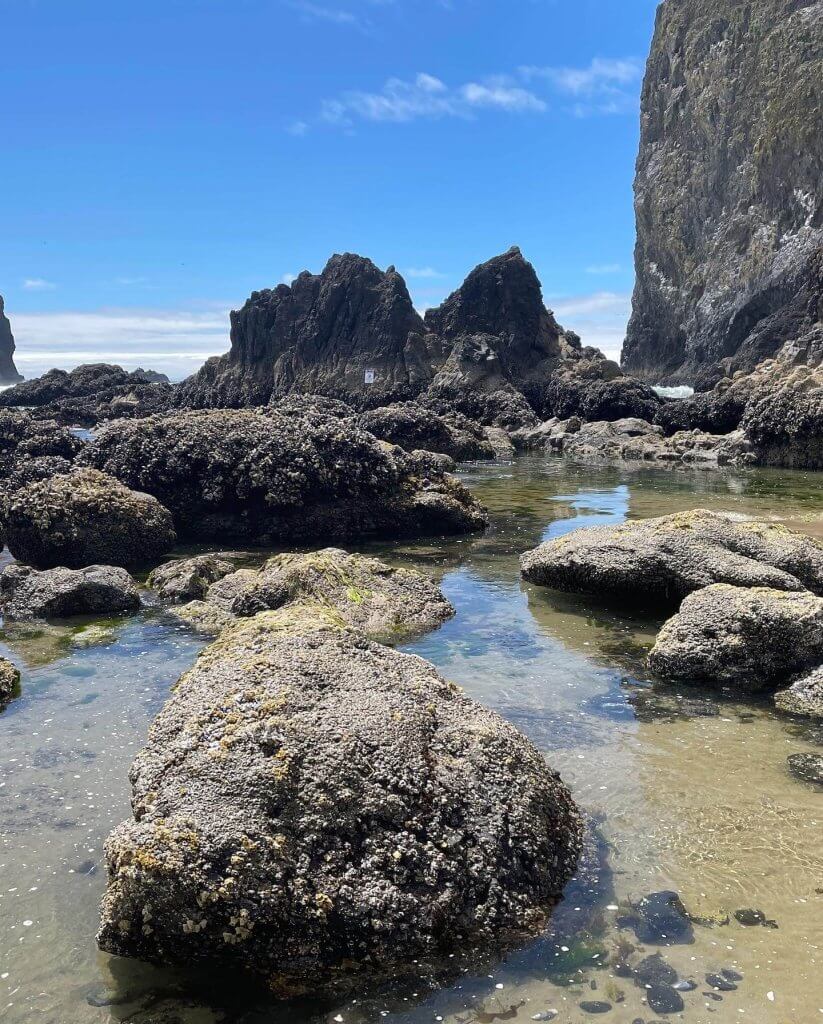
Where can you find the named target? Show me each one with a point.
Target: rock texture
(747, 638)
(804, 696)
(662, 560)
(33, 449)
(9, 680)
(187, 579)
(314, 807)
(412, 426)
(358, 592)
(729, 190)
(83, 517)
(266, 478)
(8, 371)
(61, 593)
(352, 334)
(91, 393)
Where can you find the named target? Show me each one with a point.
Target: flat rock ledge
(751, 639)
(317, 808)
(61, 593)
(358, 592)
(663, 560)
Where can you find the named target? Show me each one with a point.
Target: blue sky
(160, 160)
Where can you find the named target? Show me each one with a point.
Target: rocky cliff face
(352, 333)
(729, 191)
(8, 371)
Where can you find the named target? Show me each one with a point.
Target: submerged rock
(314, 807)
(659, 918)
(9, 680)
(83, 517)
(804, 696)
(358, 592)
(187, 579)
(662, 560)
(807, 767)
(748, 638)
(61, 593)
(266, 478)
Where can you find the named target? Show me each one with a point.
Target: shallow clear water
(689, 790)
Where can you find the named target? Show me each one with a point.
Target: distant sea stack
(729, 191)
(8, 371)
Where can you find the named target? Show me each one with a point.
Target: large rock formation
(8, 371)
(729, 190)
(266, 478)
(315, 808)
(352, 333)
(61, 593)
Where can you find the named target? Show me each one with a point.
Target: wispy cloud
(426, 96)
(38, 284)
(130, 281)
(599, 318)
(175, 342)
(604, 268)
(604, 86)
(288, 278)
(422, 272)
(320, 12)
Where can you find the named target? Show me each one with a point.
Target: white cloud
(604, 268)
(288, 278)
(604, 86)
(174, 342)
(38, 284)
(599, 318)
(298, 128)
(427, 272)
(426, 96)
(319, 12)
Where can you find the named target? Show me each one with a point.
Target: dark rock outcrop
(746, 638)
(662, 560)
(91, 393)
(357, 592)
(729, 191)
(316, 808)
(84, 517)
(28, 447)
(188, 579)
(61, 593)
(351, 333)
(265, 478)
(8, 371)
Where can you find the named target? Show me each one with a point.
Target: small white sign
(369, 377)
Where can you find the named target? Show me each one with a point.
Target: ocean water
(689, 789)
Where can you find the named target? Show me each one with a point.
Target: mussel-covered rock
(266, 478)
(314, 807)
(84, 517)
(412, 426)
(804, 696)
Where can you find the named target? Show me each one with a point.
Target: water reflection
(686, 791)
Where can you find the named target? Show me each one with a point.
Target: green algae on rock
(363, 593)
(316, 808)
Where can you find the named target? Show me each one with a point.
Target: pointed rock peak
(8, 371)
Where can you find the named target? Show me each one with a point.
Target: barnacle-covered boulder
(265, 478)
(317, 808)
(62, 593)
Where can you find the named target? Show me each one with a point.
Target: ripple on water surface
(689, 792)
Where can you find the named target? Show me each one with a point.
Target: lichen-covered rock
(804, 696)
(61, 593)
(186, 579)
(662, 560)
(316, 808)
(747, 638)
(265, 478)
(363, 593)
(8, 371)
(9, 680)
(729, 255)
(412, 427)
(784, 417)
(85, 517)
